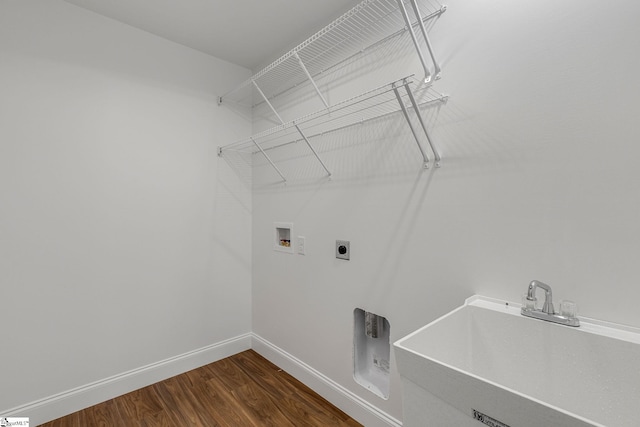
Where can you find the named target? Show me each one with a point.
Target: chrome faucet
(548, 295)
(548, 312)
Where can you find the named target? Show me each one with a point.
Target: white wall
(539, 180)
(124, 239)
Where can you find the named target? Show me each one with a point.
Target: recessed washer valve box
(342, 249)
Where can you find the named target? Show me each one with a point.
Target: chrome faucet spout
(548, 295)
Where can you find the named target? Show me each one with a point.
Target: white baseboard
(356, 407)
(70, 401)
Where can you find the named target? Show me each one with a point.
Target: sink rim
(589, 325)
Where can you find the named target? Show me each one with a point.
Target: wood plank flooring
(241, 390)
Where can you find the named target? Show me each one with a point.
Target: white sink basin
(517, 371)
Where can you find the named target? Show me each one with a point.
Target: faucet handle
(568, 309)
(529, 303)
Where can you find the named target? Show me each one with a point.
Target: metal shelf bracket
(416, 110)
(268, 159)
(425, 158)
(297, 128)
(315, 86)
(409, 26)
(416, 10)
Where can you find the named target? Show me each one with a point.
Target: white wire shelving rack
(392, 98)
(369, 24)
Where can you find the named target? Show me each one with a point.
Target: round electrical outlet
(342, 249)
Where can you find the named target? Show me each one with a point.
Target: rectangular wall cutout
(283, 233)
(371, 352)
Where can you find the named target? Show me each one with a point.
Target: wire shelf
(392, 98)
(368, 24)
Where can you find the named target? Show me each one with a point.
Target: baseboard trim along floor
(70, 401)
(357, 408)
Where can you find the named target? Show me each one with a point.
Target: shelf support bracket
(306, 71)
(413, 131)
(268, 159)
(416, 10)
(267, 101)
(416, 109)
(312, 149)
(405, 16)
(296, 126)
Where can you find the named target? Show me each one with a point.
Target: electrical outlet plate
(343, 249)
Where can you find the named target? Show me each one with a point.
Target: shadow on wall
(240, 164)
(410, 212)
(232, 203)
(383, 149)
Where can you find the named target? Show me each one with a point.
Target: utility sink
(486, 363)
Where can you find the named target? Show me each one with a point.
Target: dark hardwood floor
(241, 390)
